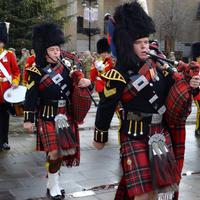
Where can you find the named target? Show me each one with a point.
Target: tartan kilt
(47, 140)
(178, 137)
(135, 164)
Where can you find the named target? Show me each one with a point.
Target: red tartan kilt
(47, 139)
(81, 102)
(136, 165)
(178, 103)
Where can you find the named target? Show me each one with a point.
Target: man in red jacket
(29, 62)
(9, 77)
(101, 65)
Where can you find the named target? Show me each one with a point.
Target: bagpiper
(50, 103)
(142, 86)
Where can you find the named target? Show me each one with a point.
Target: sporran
(65, 136)
(163, 165)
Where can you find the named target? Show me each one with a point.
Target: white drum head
(16, 95)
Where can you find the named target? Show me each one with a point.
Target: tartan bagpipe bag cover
(178, 103)
(81, 100)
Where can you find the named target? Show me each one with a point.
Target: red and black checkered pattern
(178, 103)
(122, 193)
(47, 80)
(81, 102)
(47, 140)
(178, 136)
(135, 164)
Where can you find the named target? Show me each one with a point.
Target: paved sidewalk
(22, 172)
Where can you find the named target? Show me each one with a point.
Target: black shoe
(62, 196)
(57, 197)
(6, 146)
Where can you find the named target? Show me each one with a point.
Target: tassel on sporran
(65, 136)
(163, 165)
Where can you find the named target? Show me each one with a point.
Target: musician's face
(140, 47)
(53, 53)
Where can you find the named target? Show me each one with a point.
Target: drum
(16, 98)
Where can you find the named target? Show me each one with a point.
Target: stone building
(177, 19)
(177, 23)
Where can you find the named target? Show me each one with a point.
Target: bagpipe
(76, 67)
(182, 70)
(81, 97)
(179, 99)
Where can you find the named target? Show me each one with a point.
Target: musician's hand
(195, 81)
(98, 145)
(14, 86)
(29, 126)
(84, 82)
(181, 63)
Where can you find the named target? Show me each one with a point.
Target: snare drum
(16, 97)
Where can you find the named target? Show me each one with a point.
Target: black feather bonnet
(103, 46)
(195, 50)
(131, 23)
(44, 36)
(3, 32)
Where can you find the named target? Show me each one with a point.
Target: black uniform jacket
(116, 82)
(41, 92)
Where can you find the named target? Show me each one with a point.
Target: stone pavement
(22, 172)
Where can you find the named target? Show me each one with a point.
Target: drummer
(9, 77)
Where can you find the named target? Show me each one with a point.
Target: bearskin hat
(44, 36)
(195, 50)
(3, 32)
(103, 46)
(131, 23)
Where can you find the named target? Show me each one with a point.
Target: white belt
(3, 79)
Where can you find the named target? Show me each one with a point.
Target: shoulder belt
(3, 54)
(113, 75)
(34, 69)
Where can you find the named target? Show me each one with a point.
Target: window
(79, 24)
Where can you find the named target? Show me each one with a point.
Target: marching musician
(149, 165)
(101, 65)
(9, 77)
(50, 90)
(195, 56)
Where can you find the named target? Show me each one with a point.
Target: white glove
(99, 65)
